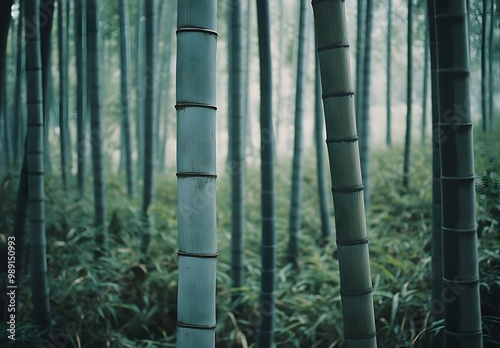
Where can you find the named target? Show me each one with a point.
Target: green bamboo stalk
(409, 91)
(19, 98)
(196, 172)
(484, 109)
(424, 92)
(125, 95)
(63, 94)
(437, 236)
(388, 104)
(297, 166)
(150, 129)
(460, 261)
(352, 239)
(81, 91)
(35, 166)
(365, 130)
(94, 88)
(319, 136)
(491, 83)
(237, 159)
(5, 19)
(360, 61)
(139, 88)
(267, 144)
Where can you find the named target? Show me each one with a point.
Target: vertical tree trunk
(19, 97)
(63, 94)
(267, 143)
(360, 61)
(297, 169)
(125, 95)
(424, 92)
(490, 64)
(365, 116)
(5, 18)
(81, 91)
(35, 166)
(94, 87)
(319, 136)
(352, 239)
(196, 172)
(460, 261)
(437, 236)
(139, 89)
(150, 129)
(409, 74)
(46, 19)
(237, 159)
(388, 133)
(484, 91)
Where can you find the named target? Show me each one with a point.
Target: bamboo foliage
(352, 240)
(35, 166)
(81, 91)
(196, 172)
(237, 142)
(267, 144)
(297, 166)
(460, 260)
(125, 94)
(94, 88)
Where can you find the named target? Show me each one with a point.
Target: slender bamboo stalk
(360, 61)
(196, 172)
(139, 88)
(460, 260)
(365, 131)
(150, 129)
(437, 236)
(388, 104)
(63, 94)
(491, 83)
(125, 95)
(35, 166)
(267, 144)
(319, 136)
(81, 91)
(484, 108)
(409, 92)
(19, 99)
(94, 88)
(297, 166)
(424, 91)
(352, 239)
(237, 159)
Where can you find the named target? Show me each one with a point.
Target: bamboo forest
(250, 173)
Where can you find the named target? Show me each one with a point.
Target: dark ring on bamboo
(348, 189)
(356, 293)
(35, 173)
(183, 105)
(445, 124)
(463, 334)
(471, 177)
(454, 71)
(352, 242)
(197, 29)
(35, 124)
(342, 140)
(196, 327)
(472, 230)
(361, 337)
(36, 220)
(194, 174)
(318, 1)
(334, 46)
(452, 16)
(464, 282)
(197, 255)
(33, 200)
(337, 94)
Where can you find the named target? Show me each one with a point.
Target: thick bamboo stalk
(460, 261)
(360, 61)
(35, 166)
(267, 144)
(5, 19)
(125, 95)
(352, 239)
(19, 97)
(94, 88)
(196, 172)
(297, 166)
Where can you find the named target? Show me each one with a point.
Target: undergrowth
(126, 300)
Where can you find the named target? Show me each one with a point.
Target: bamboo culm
(409, 91)
(352, 238)
(196, 172)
